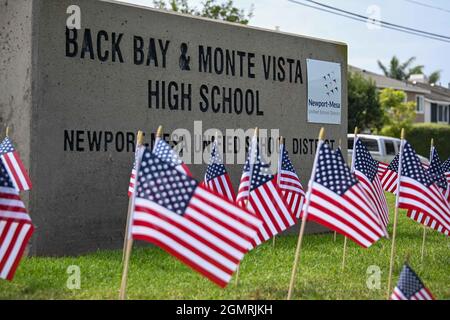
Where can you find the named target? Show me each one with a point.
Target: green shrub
(419, 135)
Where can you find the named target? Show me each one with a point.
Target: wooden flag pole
(397, 197)
(236, 281)
(129, 241)
(139, 137)
(422, 251)
(255, 135)
(352, 169)
(305, 216)
(343, 254)
(280, 157)
(7, 131)
(335, 233)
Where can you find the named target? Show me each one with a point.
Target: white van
(381, 148)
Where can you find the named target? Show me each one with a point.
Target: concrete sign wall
(74, 99)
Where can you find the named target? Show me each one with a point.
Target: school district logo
(330, 83)
(324, 91)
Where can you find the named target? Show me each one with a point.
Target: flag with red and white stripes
(133, 175)
(199, 227)
(365, 169)
(163, 151)
(426, 220)
(16, 170)
(244, 184)
(381, 168)
(390, 177)
(436, 173)
(265, 199)
(289, 183)
(446, 169)
(410, 287)
(216, 176)
(339, 202)
(419, 192)
(15, 226)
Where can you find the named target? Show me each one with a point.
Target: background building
(432, 101)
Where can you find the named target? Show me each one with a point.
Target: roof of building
(382, 81)
(437, 93)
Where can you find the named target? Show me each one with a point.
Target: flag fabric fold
(410, 287)
(14, 166)
(16, 227)
(339, 202)
(216, 176)
(199, 227)
(289, 183)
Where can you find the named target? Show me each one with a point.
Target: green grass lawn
(264, 273)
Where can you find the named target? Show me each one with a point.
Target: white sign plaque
(324, 91)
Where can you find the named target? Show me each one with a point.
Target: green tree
(364, 109)
(434, 77)
(398, 114)
(225, 11)
(402, 71)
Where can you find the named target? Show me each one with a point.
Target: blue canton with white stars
(286, 163)
(332, 172)
(162, 183)
(215, 166)
(338, 151)
(5, 180)
(393, 166)
(261, 171)
(409, 283)
(412, 167)
(6, 146)
(446, 165)
(364, 162)
(163, 151)
(435, 170)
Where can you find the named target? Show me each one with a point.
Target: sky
(366, 44)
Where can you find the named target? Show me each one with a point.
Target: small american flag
(244, 185)
(15, 226)
(437, 175)
(446, 169)
(289, 183)
(419, 192)
(197, 226)
(163, 151)
(338, 202)
(366, 169)
(133, 174)
(14, 166)
(390, 176)
(410, 287)
(216, 177)
(265, 198)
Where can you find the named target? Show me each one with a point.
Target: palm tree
(402, 71)
(399, 70)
